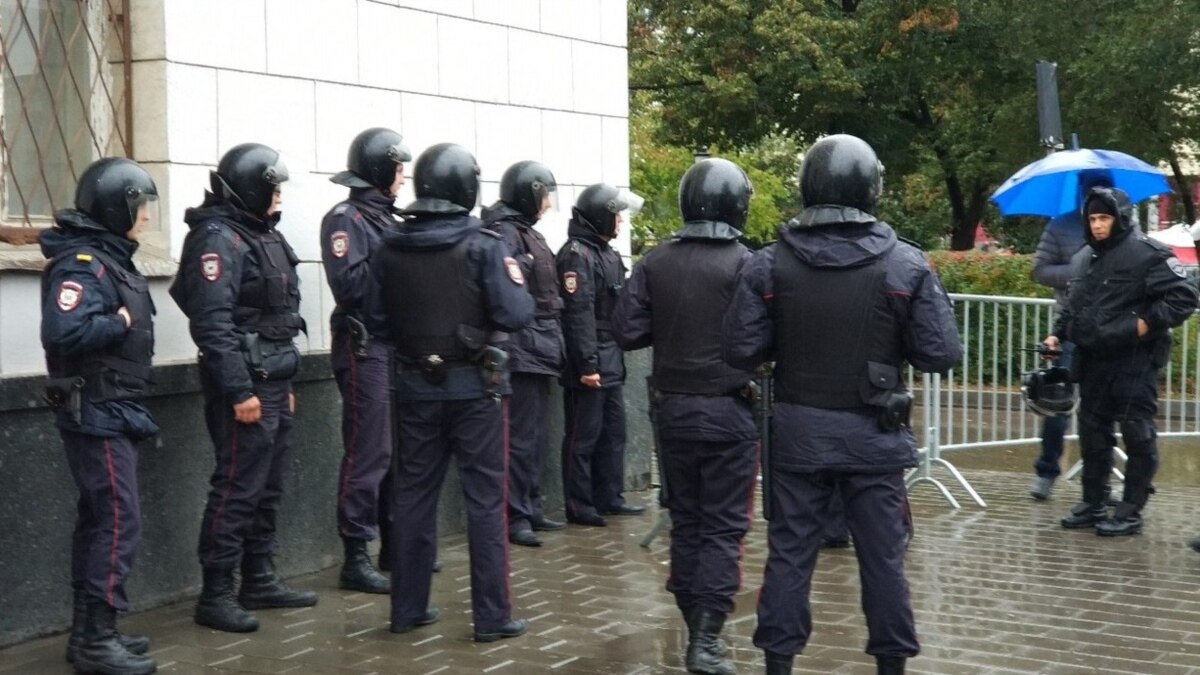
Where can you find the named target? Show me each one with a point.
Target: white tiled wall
(509, 79)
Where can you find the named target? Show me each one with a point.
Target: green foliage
(978, 273)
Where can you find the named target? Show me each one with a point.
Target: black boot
(890, 665)
(702, 644)
(217, 608)
(134, 644)
(778, 664)
(262, 588)
(689, 617)
(1085, 514)
(100, 650)
(357, 572)
(1126, 519)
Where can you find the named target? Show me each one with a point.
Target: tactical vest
(837, 342)
(269, 298)
(543, 284)
(427, 296)
(607, 287)
(122, 371)
(690, 284)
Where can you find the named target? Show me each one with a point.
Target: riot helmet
(598, 208)
(449, 172)
(525, 185)
(715, 190)
(1049, 392)
(841, 170)
(372, 159)
(111, 190)
(248, 175)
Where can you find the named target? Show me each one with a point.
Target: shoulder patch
(70, 293)
(514, 270)
(339, 244)
(1176, 267)
(570, 282)
(210, 266)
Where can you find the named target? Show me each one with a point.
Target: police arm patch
(570, 282)
(514, 270)
(210, 266)
(1176, 267)
(70, 294)
(339, 244)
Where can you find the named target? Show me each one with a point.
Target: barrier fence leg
(931, 409)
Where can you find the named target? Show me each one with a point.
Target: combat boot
(216, 606)
(778, 664)
(1084, 515)
(702, 644)
(134, 644)
(689, 618)
(100, 650)
(890, 665)
(1126, 520)
(262, 588)
(357, 572)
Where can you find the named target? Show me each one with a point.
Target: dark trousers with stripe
(107, 516)
(529, 436)
(876, 508)
(710, 492)
(366, 434)
(593, 451)
(246, 487)
(429, 433)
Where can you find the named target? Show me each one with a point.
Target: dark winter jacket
(1061, 240)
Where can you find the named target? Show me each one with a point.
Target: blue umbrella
(1050, 186)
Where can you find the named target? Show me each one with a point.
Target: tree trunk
(1185, 189)
(963, 218)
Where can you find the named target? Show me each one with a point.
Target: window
(65, 65)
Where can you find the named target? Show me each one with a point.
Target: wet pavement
(996, 590)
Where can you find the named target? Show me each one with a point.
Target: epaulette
(83, 258)
(340, 209)
(491, 233)
(911, 243)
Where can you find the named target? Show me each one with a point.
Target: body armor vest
(428, 295)
(269, 301)
(543, 283)
(837, 341)
(121, 372)
(608, 287)
(690, 284)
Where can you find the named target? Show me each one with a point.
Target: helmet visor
(631, 204)
(545, 196)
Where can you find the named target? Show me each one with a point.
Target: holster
(268, 359)
(360, 338)
(491, 360)
(896, 411)
(64, 393)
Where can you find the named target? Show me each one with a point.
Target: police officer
(361, 350)
(675, 301)
(1126, 293)
(840, 303)
(237, 284)
(591, 275)
(448, 288)
(98, 333)
(535, 353)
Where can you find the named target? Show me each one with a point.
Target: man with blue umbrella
(1126, 292)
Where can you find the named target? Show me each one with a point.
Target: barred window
(65, 66)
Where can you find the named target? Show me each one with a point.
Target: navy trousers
(528, 440)
(246, 487)
(429, 433)
(876, 508)
(366, 434)
(107, 516)
(710, 492)
(1124, 394)
(593, 450)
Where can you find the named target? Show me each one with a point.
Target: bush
(979, 273)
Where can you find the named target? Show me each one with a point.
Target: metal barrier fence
(978, 404)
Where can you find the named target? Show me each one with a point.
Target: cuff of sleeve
(241, 396)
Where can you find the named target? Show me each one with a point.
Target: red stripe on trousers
(116, 508)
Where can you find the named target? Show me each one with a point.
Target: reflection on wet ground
(997, 590)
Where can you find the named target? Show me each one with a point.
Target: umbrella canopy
(1180, 241)
(1050, 186)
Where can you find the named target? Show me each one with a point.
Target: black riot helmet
(715, 190)
(248, 175)
(598, 207)
(111, 190)
(447, 171)
(525, 185)
(841, 170)
(372, 159)
(1049, 392)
